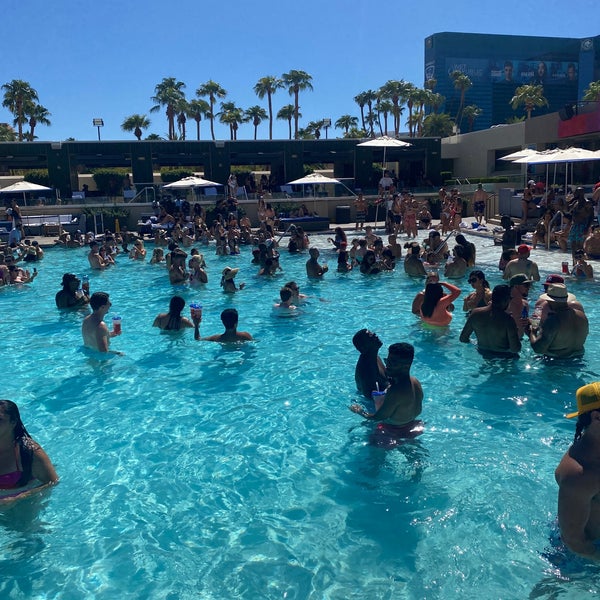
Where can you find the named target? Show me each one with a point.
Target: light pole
(326, 125)
(98, 123)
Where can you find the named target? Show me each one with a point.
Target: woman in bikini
(172, 320)
(24, 466)
(434, 310)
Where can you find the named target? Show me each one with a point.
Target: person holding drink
(96, 335)
(71, 296)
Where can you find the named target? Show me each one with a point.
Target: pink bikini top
(10, 480)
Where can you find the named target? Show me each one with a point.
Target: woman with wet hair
(24, 466)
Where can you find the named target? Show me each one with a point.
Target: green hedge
(171, 175)
(110, 181)
(39, 176)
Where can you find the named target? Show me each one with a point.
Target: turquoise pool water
(191, 470)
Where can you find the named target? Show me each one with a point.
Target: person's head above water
(364, 340)
(176, 305)
(229, 318)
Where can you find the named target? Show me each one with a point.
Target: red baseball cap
(523, 249)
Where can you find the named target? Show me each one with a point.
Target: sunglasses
(473, 280)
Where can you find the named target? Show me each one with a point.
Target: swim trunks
(387, 435)
(576, 233)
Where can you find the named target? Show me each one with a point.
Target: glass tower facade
(498, 64)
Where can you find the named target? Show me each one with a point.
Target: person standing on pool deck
(577, 476)
(369, 373)
(403, 399)
(94, 330)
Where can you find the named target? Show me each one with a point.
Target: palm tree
(530, 97)
(168, 93)
(17, 95)
(420, 97)
(592, 92)
(256, 114)
(38, 115)
(411, 99)
(361, 100)
(296, 82)
(435, 101)
(315, 127)
(438, 125)
(154, 137)
(430, 84)
(462, 83)
(231, 115)
(7, 133)
(136, 123)
(471, 112)
(182, 110)
(196, 110)
(396, 91)
(211, 90)
(385, 107)
(267, 86)
(345, 122)
(371, 118)
(286, 113)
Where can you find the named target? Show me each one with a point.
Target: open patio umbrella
(190, 182)
(385, 142)
(22, 187)
(316, 179)
(560, 155)
(519, 154)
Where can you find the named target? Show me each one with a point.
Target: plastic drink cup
(378, 398)
(195, 310)
(85, 285)
(565, 267)
(116, 324)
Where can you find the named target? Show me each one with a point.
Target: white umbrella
(519, 154)
(190, 182)
(560, 155)
(316, 179)
(385, 142)
(22, 187)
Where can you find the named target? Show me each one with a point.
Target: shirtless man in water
(578, 478)
(495, 330)
(229, 318)
(404, 396)
(94, 330)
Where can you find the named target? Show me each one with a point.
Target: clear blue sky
(103, 58)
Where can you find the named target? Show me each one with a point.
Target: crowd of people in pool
(499, 318)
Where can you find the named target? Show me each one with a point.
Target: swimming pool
(191, 470)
